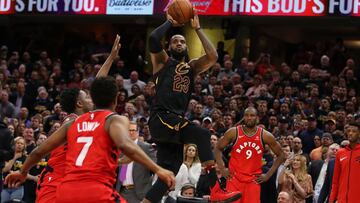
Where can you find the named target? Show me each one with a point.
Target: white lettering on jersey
(249, 145)
(87, 126)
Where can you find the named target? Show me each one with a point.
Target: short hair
(354, 123)
(103, 91)
(134, 123)
(68, 99)
(187, 186)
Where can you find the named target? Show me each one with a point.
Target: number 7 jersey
(246, 155)
(91, 155)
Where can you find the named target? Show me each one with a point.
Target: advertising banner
(81, 7)
(130, 7)
(205, 7)
(271, 7)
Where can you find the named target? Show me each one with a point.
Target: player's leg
(169, 156)
(233, 184)
(252, 193)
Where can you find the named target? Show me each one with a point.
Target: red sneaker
(218, 195)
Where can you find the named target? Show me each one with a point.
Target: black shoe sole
(231, 199)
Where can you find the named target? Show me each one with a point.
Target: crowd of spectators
(306, 103)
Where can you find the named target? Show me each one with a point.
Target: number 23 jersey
(174, 84)
(91, 155)
(246, 155)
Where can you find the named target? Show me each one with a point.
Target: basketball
(181, 11)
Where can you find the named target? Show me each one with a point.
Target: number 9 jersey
(246, 155)
(91, 161)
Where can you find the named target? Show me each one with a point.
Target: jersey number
(181, 83)
(248, 154)
(88, 141)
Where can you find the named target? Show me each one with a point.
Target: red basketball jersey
(246, 155)
(58, 155)
(91, 153)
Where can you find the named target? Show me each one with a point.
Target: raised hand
(195, 22)
(116, 47)
(173, 22)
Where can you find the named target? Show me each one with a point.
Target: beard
(250, 124)
(178, 55)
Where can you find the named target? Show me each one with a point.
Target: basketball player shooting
(248, 142)
(174, 82)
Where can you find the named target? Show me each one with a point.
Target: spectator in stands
(297, 149)
(227, 70)
(284, 166)
(318, 169)
(7, 109)
(6, 150)
(297, 181)
(14, 164)
(49, 121)
(134, 79)
(263, 64)
(284, 197)
(326, 141)
(188, 190)
(28, 135)
(189, 171)
(307, 136)
(134, 180)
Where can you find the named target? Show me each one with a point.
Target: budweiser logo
(113, 3)
(200, 5)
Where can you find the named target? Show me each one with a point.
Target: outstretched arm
(56, 139)
(209, 59)
(105, 68)
(118, 128)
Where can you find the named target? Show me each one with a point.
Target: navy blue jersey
(174, 84)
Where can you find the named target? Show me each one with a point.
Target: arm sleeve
(156, 35)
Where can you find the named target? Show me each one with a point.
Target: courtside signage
(272, 7)
(81, 7)
(77, 7)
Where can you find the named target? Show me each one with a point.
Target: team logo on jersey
(182, 68)
(249, 145)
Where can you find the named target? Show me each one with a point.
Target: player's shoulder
(231, 132)
(266, 132)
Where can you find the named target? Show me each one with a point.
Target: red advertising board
(205, 7)
(78, 7)
(272, 7)
(7, 7)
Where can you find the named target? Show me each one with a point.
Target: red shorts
(87, 191)
(47, 185)
(250, 190)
